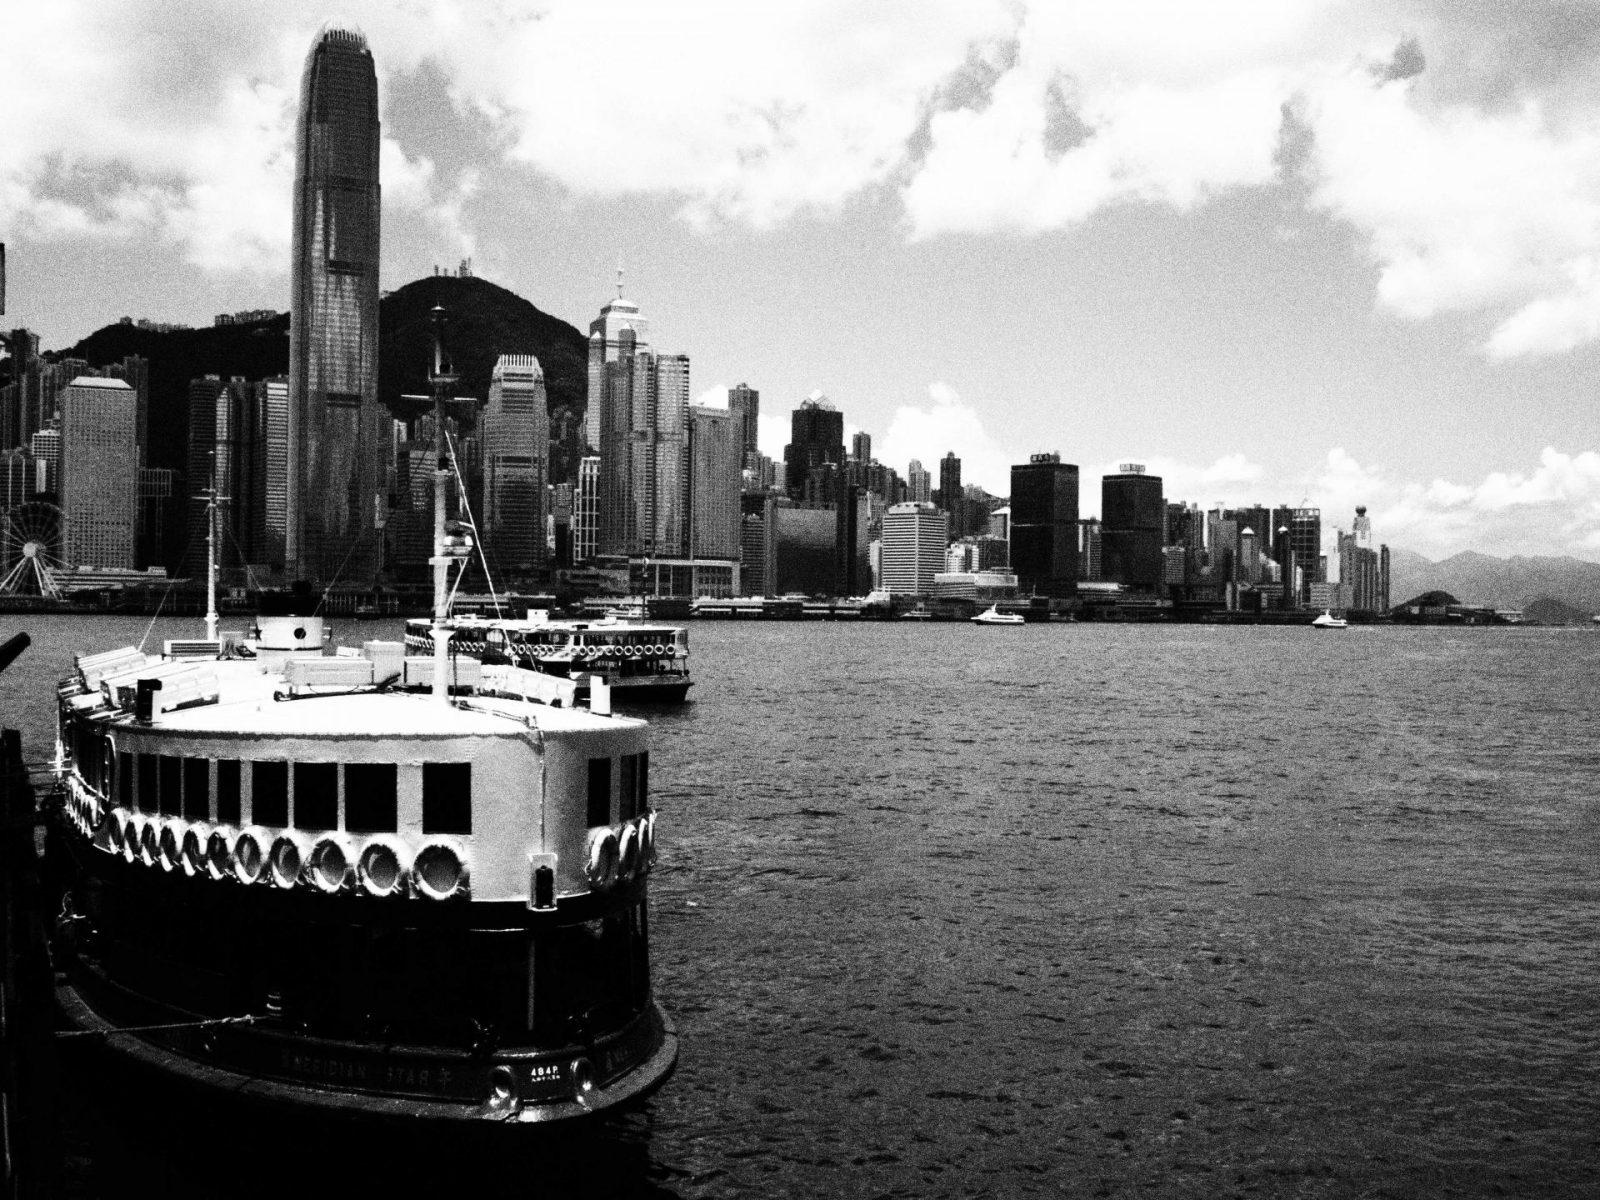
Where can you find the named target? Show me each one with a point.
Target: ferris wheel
(30, 549)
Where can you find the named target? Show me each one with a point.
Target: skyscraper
(618, 333)
(816, 443)
(99, 474)
(915, 537)
(918, 483)
(714, 454)
(1044, 525)
(1132, 516)
(951, 498)
(336, 427)
(744, 402)
(514, 435)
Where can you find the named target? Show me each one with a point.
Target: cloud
(947, 425)
(1551, 508)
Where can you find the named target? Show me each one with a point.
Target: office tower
(45, 446)
(135, 372)
(661, 477)
(337, 442)
(757, 550)
(861, 447)
(615, 336)
(715, 451)
(223, 450)
(951, 498)
(914, 540)
(1044, 525)
(918, 484)
(514, 441)
(1249, 556)
(1089, 566)
(272, 418)
(1360, 567)
(805, 543)
(999, 523)
(1132, 513)
(816, 443)
(1383, 578)
(744, 402)
(1289, 570)
(586, 510)
(1305, 532)
(159, 520)
(99, 475)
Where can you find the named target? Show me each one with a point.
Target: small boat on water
(993, 616)
(1328, 621)
(360, 883)
(641, 663)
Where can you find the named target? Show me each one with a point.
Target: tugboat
(363, 883)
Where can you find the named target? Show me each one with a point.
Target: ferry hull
(131, 983)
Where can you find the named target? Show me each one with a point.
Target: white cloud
(948, 425)
(715, 396)
(1552, 508)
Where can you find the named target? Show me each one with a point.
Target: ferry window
(599, 792)
(369, 798)
(197, 789)
(628, 800)
(147, 783)
(446, 797)
(269, 793)
(169, 790)
(125, 779)
(228, 790)
(316, 795)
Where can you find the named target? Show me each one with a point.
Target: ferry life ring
(602, 859)
(628, 852)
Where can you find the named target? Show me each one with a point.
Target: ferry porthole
(193, 849)
(250, 856)
(603, 858)
(329, 866)
(287, 859)
(219, 852)
(381, 868)
(439, 871)
(503, 1089)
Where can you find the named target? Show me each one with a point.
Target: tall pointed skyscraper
(336, 451)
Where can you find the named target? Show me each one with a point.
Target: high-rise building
(99, 477)
(337, 445)
(1305, 535)
(757, 549)
(45, 445)
(616, 335)
(816, 444)
(1361, 568)
(714, 455)
(951, 497)
(919, 483)
(1044, 525)
(272, 418)
(914, 540)
(1132, 517)
(159, 518)
(514, 441)
(744, 402)
(586, 510)
(861, 447)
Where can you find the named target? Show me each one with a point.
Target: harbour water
(946, 910)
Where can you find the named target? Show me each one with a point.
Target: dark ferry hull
(193, 1037)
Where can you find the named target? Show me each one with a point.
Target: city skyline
(1334, 255)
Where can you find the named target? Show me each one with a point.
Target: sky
(1277, 251)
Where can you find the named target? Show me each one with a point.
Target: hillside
(486, 320)
(1514, 582)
